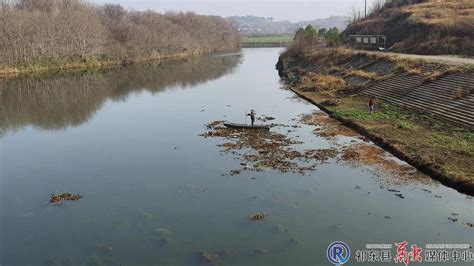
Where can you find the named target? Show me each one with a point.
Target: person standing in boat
(252, 115)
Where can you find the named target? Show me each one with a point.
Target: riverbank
(78, 63)
(335, 81)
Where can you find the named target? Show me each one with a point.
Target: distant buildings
(252, 25)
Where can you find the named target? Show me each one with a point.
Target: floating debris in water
(208, 257)
(267, 149)
(64, 196)
(327, 127)
(162, 232)
(357, 187)
(453, 219)
(259, 216)
(382, 166)
(388, 217)
(260, 251)
(161, 237)
(393, 190)
(400, 195)
(235, 172)
(164, 235)
(468, 224)
(265, 118)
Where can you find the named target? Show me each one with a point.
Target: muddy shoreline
(429, 168)
(78, 65)
(420, 165)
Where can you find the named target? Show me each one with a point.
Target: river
(129, 141)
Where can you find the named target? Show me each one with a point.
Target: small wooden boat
(246, 126)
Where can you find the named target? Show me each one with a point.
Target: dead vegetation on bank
(422, 26)
(435, 147)
(362, 153)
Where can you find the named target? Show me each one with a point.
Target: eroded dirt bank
(335, 79)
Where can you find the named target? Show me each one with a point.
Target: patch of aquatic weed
(363, 154)
(327, 127)
(268, 149)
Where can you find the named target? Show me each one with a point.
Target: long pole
(366, 8)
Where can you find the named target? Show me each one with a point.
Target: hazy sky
(280, 10)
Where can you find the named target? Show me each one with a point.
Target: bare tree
(41, 30)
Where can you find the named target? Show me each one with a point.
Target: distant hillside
(251, 25)
(425, 27)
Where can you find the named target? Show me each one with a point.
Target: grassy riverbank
(78, 63)
(441, 149)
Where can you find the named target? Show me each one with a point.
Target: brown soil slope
(431, 27)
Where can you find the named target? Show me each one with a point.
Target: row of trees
(309, 36)
(36, 30)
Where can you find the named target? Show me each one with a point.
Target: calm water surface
(128, 140)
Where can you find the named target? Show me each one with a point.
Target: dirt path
(430, 58)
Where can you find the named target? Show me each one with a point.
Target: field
(268, 39)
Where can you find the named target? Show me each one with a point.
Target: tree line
(308, 37)
(40, 30)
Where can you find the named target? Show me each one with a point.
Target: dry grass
(408, 66)
(433, 27)
(435, 12)
(436, 75)
(329, 57)
(318, 82)
(362, 74)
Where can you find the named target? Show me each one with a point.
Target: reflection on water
(58, 101)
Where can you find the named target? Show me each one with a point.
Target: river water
(129, 141)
